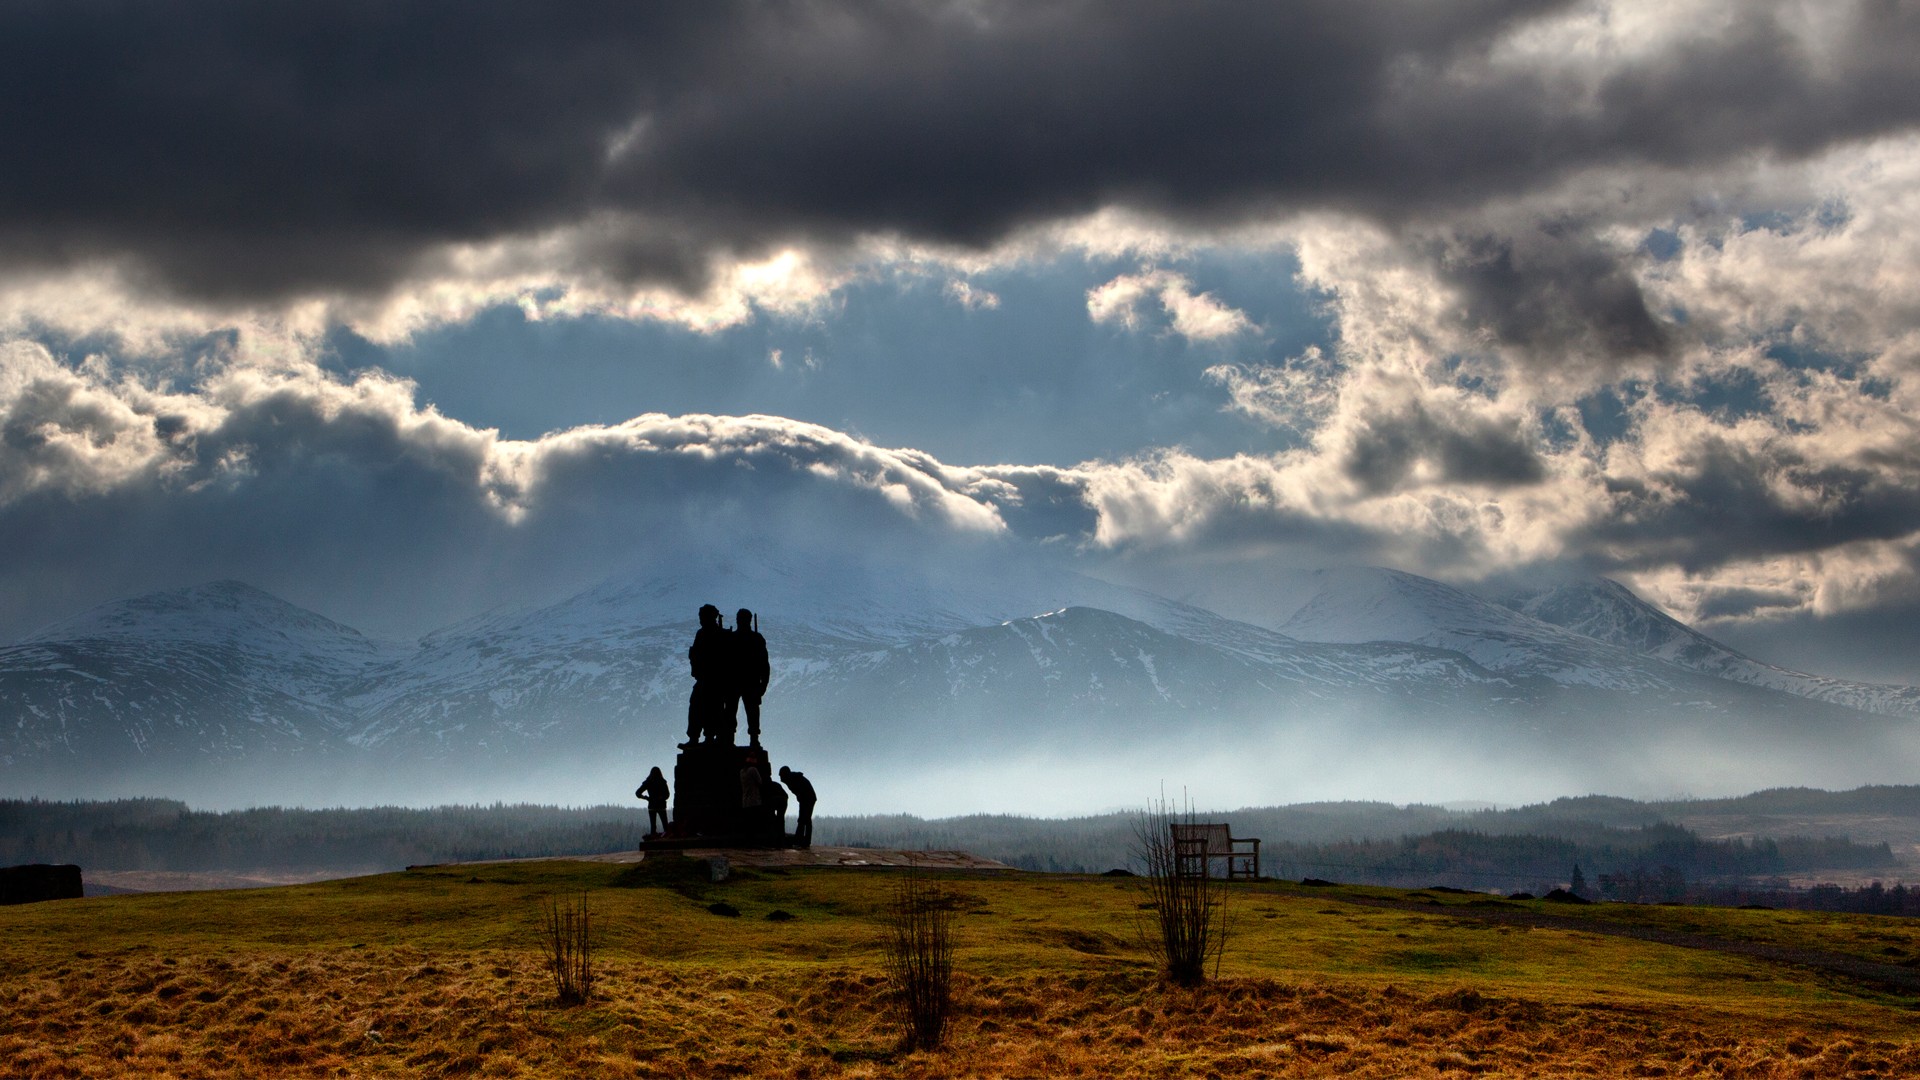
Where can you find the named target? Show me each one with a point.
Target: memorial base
(710, 806)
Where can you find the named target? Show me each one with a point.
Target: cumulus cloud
(256, 462)
(1194, 316)
(274, 470)
(73, 430)
(1297, 395)
(971, 297)
(1711, 379)
(1836, 263)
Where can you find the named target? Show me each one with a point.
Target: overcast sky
(404, 311)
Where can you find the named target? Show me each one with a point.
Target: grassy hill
(437, 972)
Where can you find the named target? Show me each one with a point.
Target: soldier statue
(749, 673)
(709, 658)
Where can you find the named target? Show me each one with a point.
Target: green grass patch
(436, 972)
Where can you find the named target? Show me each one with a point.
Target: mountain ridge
(879, 669)
(1607, 611)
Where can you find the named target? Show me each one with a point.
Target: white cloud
(1401, 462)
(1298, 395)
(1841, 271)
(1194, 316)
(86, 429)
(971, 298)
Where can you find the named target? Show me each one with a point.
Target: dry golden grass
(438, 974)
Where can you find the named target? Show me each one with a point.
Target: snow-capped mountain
(304, 654)
(887, 664)
(1607, 611)
(1362, 604)
(615, 655)
(218, 671)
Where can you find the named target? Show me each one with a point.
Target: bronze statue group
(731, 669)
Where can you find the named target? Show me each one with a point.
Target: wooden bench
(1196, 846)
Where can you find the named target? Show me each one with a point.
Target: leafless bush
(1187, 924)
(567, 941)
(920, 958)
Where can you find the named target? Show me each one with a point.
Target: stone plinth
(708, 803)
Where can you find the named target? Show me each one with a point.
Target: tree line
(1457, 857)
(1873, 898)
(1533, 849)
(164, 834)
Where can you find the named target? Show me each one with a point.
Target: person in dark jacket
(708, 657)
(750, 674)
(776, 806)
(803, 794)
(654, 790)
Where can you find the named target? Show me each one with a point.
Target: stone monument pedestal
(709, 807)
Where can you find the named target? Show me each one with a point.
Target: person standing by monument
(776, 804)
(654, 790)
(749, 672)
(803, 794)
(708, 658)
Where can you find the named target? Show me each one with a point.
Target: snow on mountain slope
(217, 671)
(303, 653)
(1076, 676)
(1372, 604)
(820, 608)
(614, 656)
(503, 688)
(617, 651)
(99, 706)
(1607, 611)
(1113, 652)
(843, 600)
(870, 659)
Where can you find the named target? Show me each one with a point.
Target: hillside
(437, 972)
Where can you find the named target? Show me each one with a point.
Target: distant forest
(163, 834)
(1533, 849)
(1628, 849)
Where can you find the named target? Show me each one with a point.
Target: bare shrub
(1187, 923)
(920, 958)
(567, 941)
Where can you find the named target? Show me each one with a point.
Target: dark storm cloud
(1739, 603)
(1725, 502)
(250, 149)
(1386, 445)
(1876, 643)
(1045, 504)
(1552, 292)
(236, 149)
